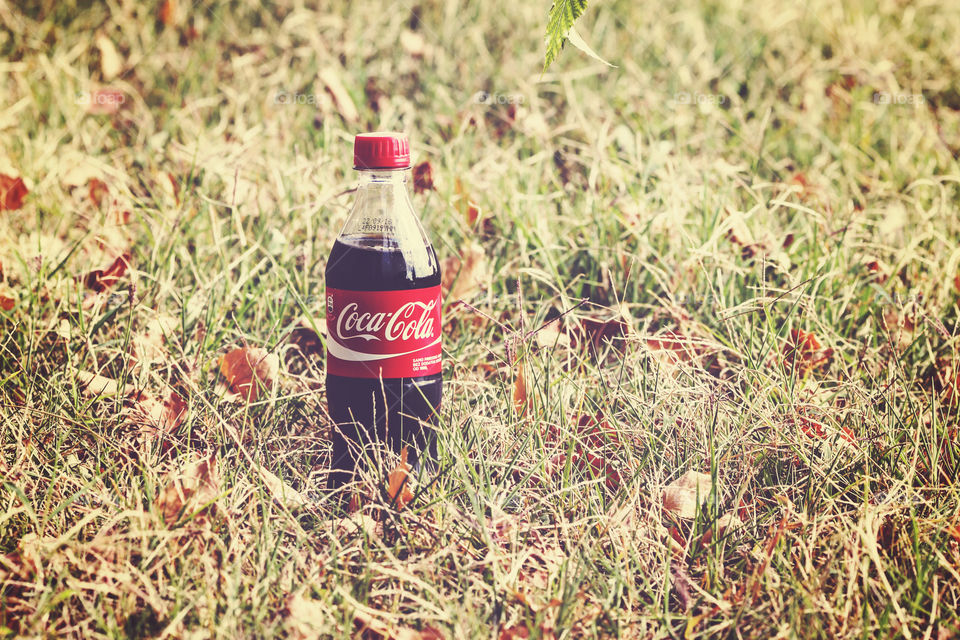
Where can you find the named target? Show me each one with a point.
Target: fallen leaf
(12, 193)
(7, 303)
(191, 492)
(281, 492)
(515, 632)
(593, 333)
(98, 190)
(102, 279)
(803, 353)
(248, 369)
(306, 339)
(677, 347)
(111, 64)
(813, 429)
(161, 417)
(682, 496)
(168, 13)
(956, 282)
(551, 336)
(463, 276)
(423, 177)
(330, 77)
(93, 384)
(398, 483)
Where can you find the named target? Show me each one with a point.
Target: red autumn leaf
(956, 282)
(168, 12)
(423, 177)
(102, 279)
(6, 303)
(803, 353)
(98, 190)
(516, 632)
(398, 485)
(248, 370)
(814, 429)
(12, 193)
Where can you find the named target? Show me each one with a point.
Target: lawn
(700, 328)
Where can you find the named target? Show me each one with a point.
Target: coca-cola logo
(411, 321)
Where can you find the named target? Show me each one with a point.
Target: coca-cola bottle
(383, 317)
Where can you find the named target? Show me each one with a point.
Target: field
(700, 333)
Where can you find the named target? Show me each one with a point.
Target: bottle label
(383, 334)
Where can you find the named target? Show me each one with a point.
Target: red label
(383, 334)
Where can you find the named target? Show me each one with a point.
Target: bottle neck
(381, 178)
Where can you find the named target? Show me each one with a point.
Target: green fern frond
(563, 14)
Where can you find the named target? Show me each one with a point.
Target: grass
(747, 172)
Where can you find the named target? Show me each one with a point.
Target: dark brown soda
(396, 411)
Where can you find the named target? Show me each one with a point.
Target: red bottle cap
(381, 150)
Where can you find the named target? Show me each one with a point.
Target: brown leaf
(161, 417)
(7, 303)
(168, 13)
(398, 485)
(306, 339)
(593, 333)
(94, 384)
(682, 496)
(515, 632)
(98, 190)
(12, 193)
(677, 347)
(330, 77)
(102, 279)
(551, 336)
(813, 429)
(191, 492)
(248, 369)
(423, 177)
(803, 353)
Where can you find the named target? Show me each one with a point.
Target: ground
(739, 244)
